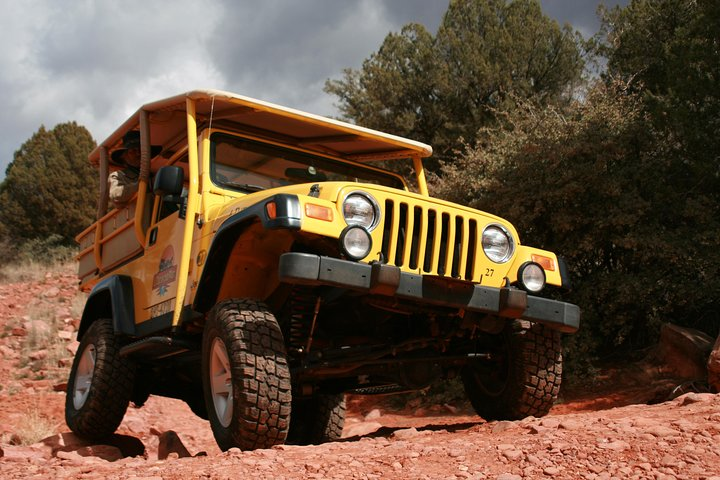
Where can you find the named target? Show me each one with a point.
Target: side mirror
(169, 181)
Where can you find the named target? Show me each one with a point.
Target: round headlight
(355, 242)
(361, 209)
(531, 277)
(497, 243)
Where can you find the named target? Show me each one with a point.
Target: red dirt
(607, 432)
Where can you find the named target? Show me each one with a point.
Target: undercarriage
(337, 341)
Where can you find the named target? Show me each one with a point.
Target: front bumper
(388, 280)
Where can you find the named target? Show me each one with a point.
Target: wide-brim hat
(131, 140)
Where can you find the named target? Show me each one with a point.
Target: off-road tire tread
(260, 373)
(111, 387)
(317, 420)
(535, 375)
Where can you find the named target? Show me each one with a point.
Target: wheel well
(214, 268)
(97, 306)
(111, 298)
(236, 262)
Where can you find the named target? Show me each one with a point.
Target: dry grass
(31, 428)
(32, 271)
(43, 336)
(40, 318)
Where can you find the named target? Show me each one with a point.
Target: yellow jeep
(268, 265)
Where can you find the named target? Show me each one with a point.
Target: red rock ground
(609, 432)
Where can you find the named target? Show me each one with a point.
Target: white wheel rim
(221, 382)
(84, 376)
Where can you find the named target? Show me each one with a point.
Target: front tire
(245, 374)
(525, 378)
(317, 420)
(100, 384)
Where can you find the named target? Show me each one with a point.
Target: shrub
(594, 183)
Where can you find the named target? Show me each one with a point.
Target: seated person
(123, 184)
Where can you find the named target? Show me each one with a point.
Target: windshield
(248, 166)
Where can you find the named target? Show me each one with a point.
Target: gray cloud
(581, 14)
(96, 62)
(426, 12)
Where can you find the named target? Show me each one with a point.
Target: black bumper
(379, 279)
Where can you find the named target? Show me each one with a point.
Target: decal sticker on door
(167, 272)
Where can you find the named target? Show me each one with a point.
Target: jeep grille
(430, 240)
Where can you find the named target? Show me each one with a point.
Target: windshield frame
(299, 156)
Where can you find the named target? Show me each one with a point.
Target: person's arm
(121, 188)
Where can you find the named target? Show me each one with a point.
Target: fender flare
(288, 215)
(111, 298)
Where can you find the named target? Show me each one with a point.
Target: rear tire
(525, 379)
(100, 384)
(317, 420)
(245, 375)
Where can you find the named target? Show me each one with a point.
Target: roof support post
(102, 206)
(420, 174)
(192, 207)
(143, 178)
(103, 194)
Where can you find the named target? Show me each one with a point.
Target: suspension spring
(302, 303)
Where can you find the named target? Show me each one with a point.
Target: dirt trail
(595, 437)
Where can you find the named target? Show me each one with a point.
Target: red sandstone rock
(685, 350)
(170, 443)
(106, 452)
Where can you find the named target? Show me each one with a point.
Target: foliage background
(617, 172)
(50, 190)
(440, 88)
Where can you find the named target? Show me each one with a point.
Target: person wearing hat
(123, 184)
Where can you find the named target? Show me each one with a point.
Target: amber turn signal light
(319, 212)
(545, 262)
(271, 209)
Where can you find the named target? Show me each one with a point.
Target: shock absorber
(303, 305)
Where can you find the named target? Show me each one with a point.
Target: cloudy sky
(97, 61)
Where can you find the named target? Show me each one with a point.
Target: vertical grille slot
(457, 247)
(471, 250)
(388, 238)
(418, 233)
(443, 256)
(430, 260)
(402, 236)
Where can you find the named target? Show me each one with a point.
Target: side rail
(107, 243)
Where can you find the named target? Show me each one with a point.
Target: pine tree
(438, 89)
(50, 188)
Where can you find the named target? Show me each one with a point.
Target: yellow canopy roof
(267, 120)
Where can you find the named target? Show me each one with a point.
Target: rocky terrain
(611, 432)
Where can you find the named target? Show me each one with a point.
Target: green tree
(582, 182)
(50, 187)
(669, 52)
(624, 182)
(441, 88)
